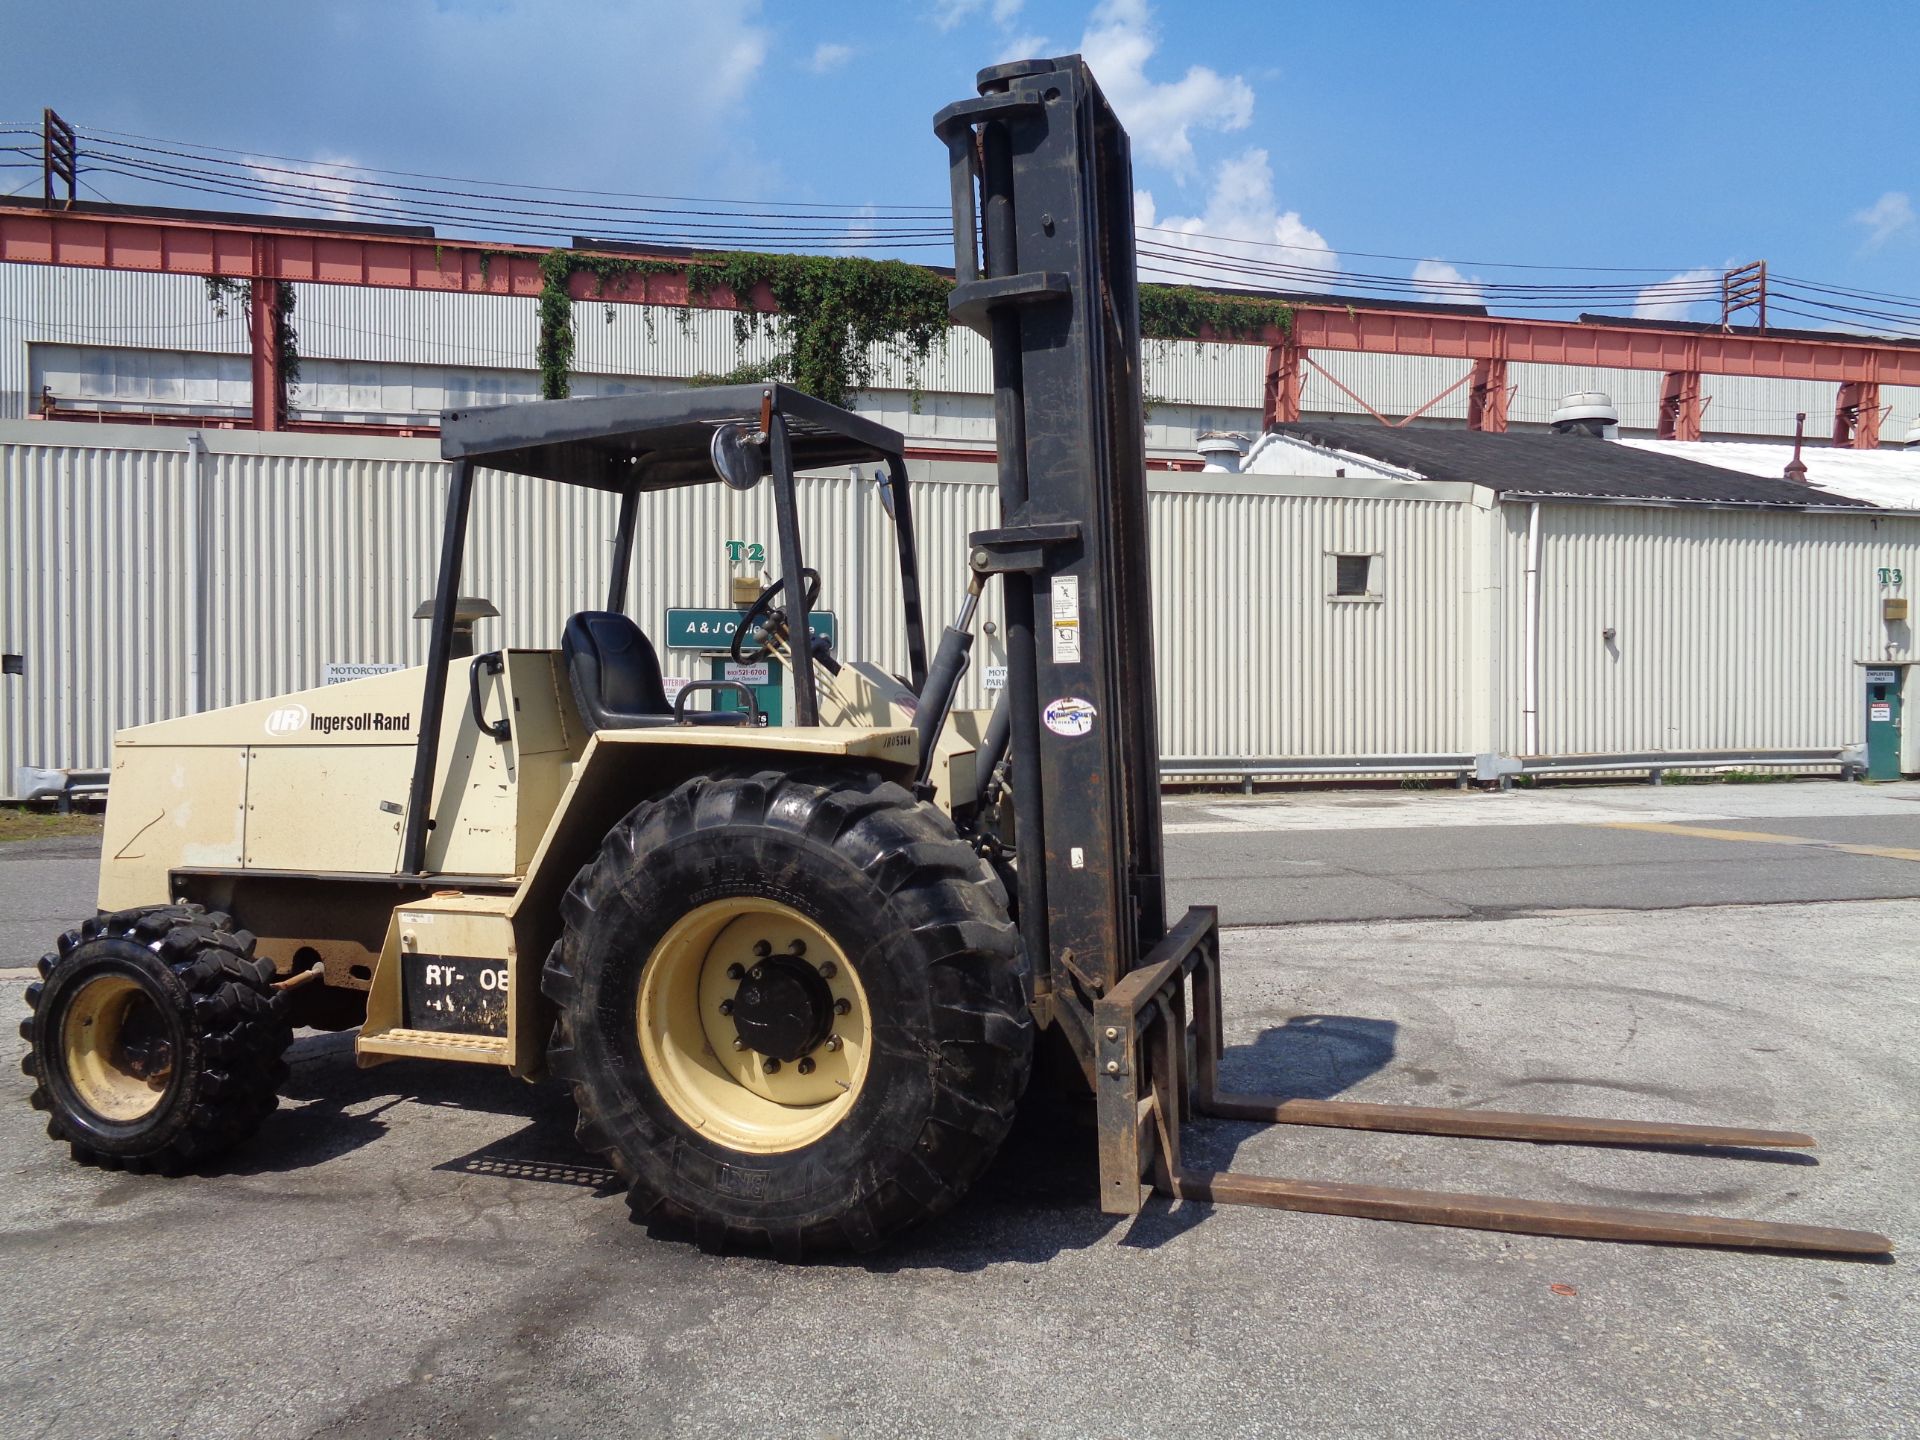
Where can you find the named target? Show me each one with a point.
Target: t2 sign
(746, 552)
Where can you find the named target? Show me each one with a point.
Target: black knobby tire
(923, 923)
(202, 995)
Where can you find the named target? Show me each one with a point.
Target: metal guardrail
(1849, 760)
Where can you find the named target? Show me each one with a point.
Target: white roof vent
(1222, 450)
(1591, 411)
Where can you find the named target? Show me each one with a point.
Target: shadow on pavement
(331, 1107)
(1039, 1197)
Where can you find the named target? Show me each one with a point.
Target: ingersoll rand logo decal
(293, 719)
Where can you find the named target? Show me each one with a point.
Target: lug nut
(734, 972)
(841, 1007)
(806, 1066)
(833, 1042)
(798, 947)
(762, 949)
(739, 1044)
(770, 1065)
(759, 973)
(726, 1007)
(829, 970)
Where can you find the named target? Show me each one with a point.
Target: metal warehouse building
(1363, 600)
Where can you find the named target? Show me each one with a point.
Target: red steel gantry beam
(165, 245)
(199, 246)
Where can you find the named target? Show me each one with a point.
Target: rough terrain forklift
(794, 975)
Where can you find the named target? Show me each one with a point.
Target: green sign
(746, 552)
(713, 629)
(1892, 577)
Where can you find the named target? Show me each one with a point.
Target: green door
(1883, 722)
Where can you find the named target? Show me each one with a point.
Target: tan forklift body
(289, 812)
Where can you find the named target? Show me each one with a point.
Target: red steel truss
(232, 247)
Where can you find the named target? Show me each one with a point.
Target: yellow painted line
(1761, 837)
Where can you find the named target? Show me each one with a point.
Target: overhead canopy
(656, 441)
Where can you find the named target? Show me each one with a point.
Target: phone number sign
(690, 629)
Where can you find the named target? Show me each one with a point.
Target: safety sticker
(1066, 619)
(1068, 716)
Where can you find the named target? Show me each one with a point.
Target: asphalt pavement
(421, 1250)
(1394, 854)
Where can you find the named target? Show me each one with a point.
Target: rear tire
(155, 1038)
(926, 973)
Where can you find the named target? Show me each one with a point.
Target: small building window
(1353, 575)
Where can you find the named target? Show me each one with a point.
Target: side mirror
(738, 459)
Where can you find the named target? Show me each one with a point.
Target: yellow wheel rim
(691, 1031)
(113, 1042)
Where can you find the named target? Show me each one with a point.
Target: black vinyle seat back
(614, 672)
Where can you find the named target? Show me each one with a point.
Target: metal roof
(1553, 464)
(1887, 478)
(658, 441)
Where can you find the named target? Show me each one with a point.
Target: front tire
(154, 1038)
(792, 1009)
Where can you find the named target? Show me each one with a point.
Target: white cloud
(1890, 215)
(1021, 47)
(1241, 222)
(1004, 11)
(1674, 299)
(1444, 282)
(326, 184)
(857, 238)
(1119, 41)
(949, 13)
(828, 55)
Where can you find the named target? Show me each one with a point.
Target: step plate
(435, 1045)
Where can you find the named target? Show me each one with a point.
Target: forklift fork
(1143, 1028)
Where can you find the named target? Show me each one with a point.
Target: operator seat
(614, 672)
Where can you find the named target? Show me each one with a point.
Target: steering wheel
(761, 614)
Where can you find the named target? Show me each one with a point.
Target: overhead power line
(555, 214)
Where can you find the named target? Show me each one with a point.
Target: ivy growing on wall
(553, 350)
(1178, 312)
(830, 311)
(226, 291)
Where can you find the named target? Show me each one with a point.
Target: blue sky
(1660, 136)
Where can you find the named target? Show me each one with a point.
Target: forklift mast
(1044, 268)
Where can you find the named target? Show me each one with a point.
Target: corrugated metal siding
(95, 546)
(103, 307)
(1903, 402)
(422, 327)
(1744, 405)
(322, 557)
(1395, 385)
(1539, 389)
(1732, 630)
(1256, 660)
